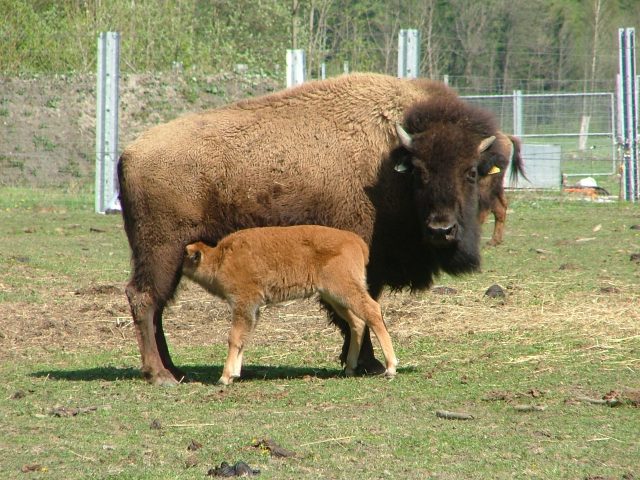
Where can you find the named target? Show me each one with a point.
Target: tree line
(489, 46)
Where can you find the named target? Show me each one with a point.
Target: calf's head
(442, 141)
(194, 256)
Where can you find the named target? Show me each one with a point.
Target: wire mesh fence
(48, 123)
(581, 128)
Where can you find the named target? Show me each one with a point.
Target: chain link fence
(47, 124)
(565, 136)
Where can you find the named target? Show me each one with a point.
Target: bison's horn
(486, 143)
(403, 136)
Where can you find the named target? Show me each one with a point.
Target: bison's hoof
(349, 372)
(178, 374)
(225, 382)
(370, 366)
(390, 373)
(163, 379)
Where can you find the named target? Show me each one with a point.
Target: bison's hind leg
(157, 367)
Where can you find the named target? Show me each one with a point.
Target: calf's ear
(193, 253)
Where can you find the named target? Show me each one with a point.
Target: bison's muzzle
(441, 235)
(441, 230)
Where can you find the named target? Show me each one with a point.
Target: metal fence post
(295, 67)
(108, 79)
(629, 115)
(408, 53)
(517, 113)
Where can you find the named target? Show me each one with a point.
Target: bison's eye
(472, 175)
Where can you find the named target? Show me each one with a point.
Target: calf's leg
(242, 323)
(367, 362)
(357, 329)
(368, 309)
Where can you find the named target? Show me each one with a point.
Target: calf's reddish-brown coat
(321, 153)
(258, 266)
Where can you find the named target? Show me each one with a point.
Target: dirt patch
(98, 316)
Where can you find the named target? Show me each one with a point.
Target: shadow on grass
(199, 373)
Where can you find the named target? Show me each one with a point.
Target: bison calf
(257, 266)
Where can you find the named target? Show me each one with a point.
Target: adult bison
(331, 153)
(492, 169)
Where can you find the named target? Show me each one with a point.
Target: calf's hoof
(390, 373)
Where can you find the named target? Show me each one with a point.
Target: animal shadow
(205, 374)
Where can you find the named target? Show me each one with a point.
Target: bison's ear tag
(401, 168)
(494, 170)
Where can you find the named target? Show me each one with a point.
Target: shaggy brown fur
(257, 266)
(491, 170)
(321, 153)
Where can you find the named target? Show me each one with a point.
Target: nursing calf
(258, 266)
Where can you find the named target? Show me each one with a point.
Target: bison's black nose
(440, 234)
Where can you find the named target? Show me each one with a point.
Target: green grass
(569, 327)
(50, 238)
(43, 143)
(334, 424)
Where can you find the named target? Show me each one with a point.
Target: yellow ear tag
(494, 170)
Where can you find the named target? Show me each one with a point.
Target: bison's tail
(517, 164)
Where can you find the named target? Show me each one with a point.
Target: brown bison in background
(256, 266)
(328, 153)
(491, 171)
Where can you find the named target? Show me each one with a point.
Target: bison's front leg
(367, 362)
(157, 367)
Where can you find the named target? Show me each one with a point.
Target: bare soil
(98, 317)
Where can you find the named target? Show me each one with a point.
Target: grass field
(532, 369)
